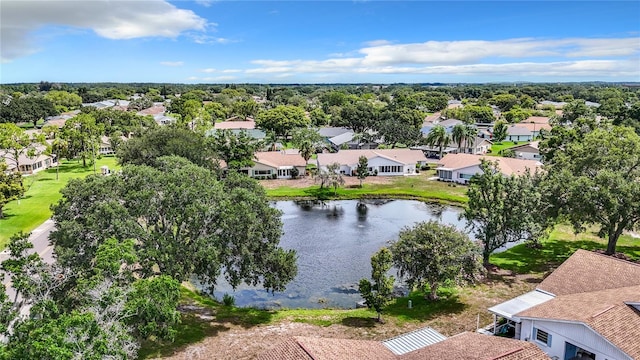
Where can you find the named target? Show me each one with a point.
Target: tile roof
(474, 346)
(249, 125)
(586, 271)
(280, 158)
(350, 157)
(507, 166)
(316, 348)
(154, 110)
(604, 311)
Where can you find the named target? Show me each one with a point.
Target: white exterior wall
(528, 155)
(467, 172)
(519, 138)
(259, 166)
(576, 334)
(377, 162)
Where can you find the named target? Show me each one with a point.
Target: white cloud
(231, 71)
(111, 20)
(378, 43)
(207, 39)
(573, 57)
(172, 63)
(205, 3)
(208, 70)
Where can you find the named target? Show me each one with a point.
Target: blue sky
(209, 41)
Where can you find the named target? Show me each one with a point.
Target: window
(284, 172)
(465, 176)
(542, 336)
(261, 172)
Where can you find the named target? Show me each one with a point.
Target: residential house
(519, 133)
(588, 308)
(479, 146)
(461, 167)
(29, 165)
(277, 164)
(383, 162)
(528, 151)
(235, 125)
(448, 125)
(534, 128)
(105, 147)
(536, 120)
(423, 344)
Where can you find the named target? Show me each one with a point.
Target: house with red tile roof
(383, 162)
(461, 167)
(588, 308)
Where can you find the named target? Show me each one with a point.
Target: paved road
(40, 240)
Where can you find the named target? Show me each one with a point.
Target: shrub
(228, 300)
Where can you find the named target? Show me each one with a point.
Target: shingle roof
(533, 145)
(329, 132)
(507, 166)
(533, 127)
(474, 346)
(315, 348)
(516, 130)
(280, 158)
(586, 271)
(605, 311)
(350, 157)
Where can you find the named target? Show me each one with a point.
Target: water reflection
(334, 241)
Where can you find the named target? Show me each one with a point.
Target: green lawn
(43, 190)
(497, 147)
(401, 187)
(561, 244)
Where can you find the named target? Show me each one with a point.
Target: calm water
(334, 242)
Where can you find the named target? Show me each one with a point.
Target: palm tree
(470, 134)
(459, 135)
(439, 137)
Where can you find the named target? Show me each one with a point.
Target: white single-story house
(29, 165)
(105, 147)
(461, 167)
(277, 164)
(383, 162)
(530, 151)
(519, 133)
(588, 308)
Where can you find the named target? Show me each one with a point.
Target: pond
(334, 242)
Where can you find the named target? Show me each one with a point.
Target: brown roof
(280, 158)
(586, 271)
(532, 145)
(350, 157)
(315, 348)
(248, 125)
(474, 346)
(154, 110)
(533, 127)
(604, 311)
(507, 166)
(536, 120)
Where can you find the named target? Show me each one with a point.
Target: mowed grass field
(43, 190)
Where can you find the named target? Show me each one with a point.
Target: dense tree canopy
(184, 221)
(237, 150)
(282, 119)
(166, 141)
(504, 209)
(379, 293)
(11, 186)
(431, 253)
(596, 180)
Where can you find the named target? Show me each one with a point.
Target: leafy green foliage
(237, 150)
(362, 171)
(378, 294)
(307, 140)
(438, 137)
(431, 254)
(597, 181)
(16, 142)
(499, 131)
(166, 141)
(504, 209)
(184, 220)
(282, 119)
(11, 186)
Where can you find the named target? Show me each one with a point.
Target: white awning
(521, 303)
